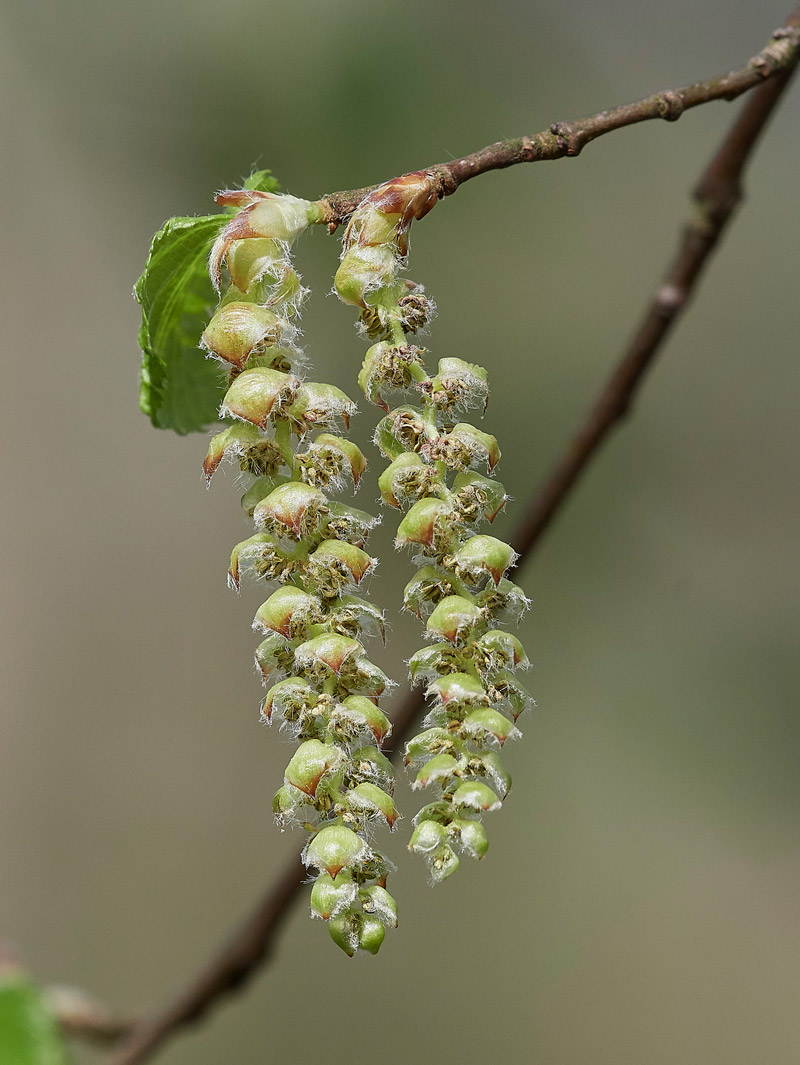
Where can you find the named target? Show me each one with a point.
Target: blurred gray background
(639, 904)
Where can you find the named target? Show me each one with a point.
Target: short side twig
(246, 949)
(716, 197)
(78, 1013)
(81, 1015)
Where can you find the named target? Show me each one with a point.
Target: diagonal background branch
(716, 197)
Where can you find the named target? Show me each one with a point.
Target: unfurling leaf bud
(263, 214)
(386, 214)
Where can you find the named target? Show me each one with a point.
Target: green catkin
(322, 686)
(461, 587)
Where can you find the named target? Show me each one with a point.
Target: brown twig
(716, 197)
(569, 138)
(83, 1016)
(249, 945)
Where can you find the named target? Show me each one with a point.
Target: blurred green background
(639, 905)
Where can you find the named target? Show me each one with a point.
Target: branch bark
(716, 197)
(77, 1012)
(568, 139)
(82, 1016)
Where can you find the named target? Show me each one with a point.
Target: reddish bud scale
(322, 686)
(441, 473)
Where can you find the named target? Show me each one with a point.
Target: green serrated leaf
(29, 1033)
(180, 388)
(262, 181)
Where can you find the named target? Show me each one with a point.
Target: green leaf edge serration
(180, 389)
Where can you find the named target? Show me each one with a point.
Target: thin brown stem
(716, 197)
(78, 1013)
(249, 946)
(568, 139)
(81, 1015)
